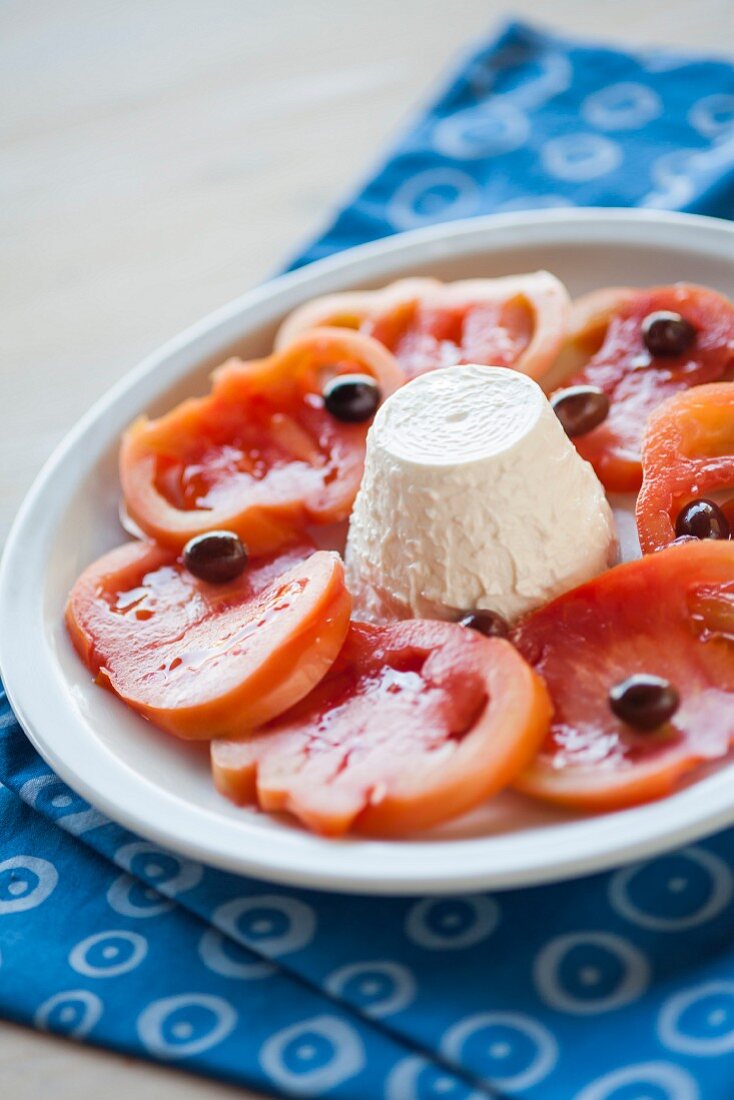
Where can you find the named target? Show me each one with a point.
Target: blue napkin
(615, 987)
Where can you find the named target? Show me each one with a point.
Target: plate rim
(323, 871)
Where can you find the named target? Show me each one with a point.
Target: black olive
(352, 397)
(488, 623)
(667, 334)
(216, 557)
(580, 409)
(702, 519)
(644, 701)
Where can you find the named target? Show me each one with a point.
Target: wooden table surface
(160, 157)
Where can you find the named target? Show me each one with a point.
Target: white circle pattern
(112, 962)
(482, 131)
(183, 1040)
(713, 116)
(678, 1084)
(120, 897)
(451, 924)
(624, 106)
(186, 876)
(38, 792)
(631, 985)
(541, 1064)
(436, 194)
(23, 893)
(672, 174)
(78, 1011)
(300, 920)
(214, 956)
(290, 1066)
(404, 1083)
(722, 890)
(399, 994)
(672, 1032)
(579, 158)
(663, 61)
(553, 76)
(677, 174)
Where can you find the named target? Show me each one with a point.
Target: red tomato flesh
(671, 614)
(688, 453)
(415, 723)
(259, 455)
(423, 336)
(606, 342)
(203, 660)
(518, 321)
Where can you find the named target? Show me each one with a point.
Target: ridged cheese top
(458, 415)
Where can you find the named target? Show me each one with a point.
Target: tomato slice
(416, 722)
(203, 660)
(605, 349)
(670, 614)
(259, 455)
(517, 321)
(688, 452)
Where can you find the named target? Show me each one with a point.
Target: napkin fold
(614, 987)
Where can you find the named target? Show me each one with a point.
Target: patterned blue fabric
(533, 120)
(616, 987)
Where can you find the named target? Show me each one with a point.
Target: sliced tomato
(670, 614)
(203, 660)
(688, 452)
(259, 455)
(605, 349)
(519, 321)
(415, 723)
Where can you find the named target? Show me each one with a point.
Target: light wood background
(159, 157)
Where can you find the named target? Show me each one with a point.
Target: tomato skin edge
(391, 818)
(543, 292)
(280, 680)
(679, 570)
(297, 656)
(120, 560)
(289, 374)
(486, 761)
(261, 529)
(676, 465)
(600, 797)
(615, 447)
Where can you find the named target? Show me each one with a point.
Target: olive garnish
(580, 409)
(488, 623)
(644, 701)
(216, 557)
(667, 334)
(702, 519)
(352, 397)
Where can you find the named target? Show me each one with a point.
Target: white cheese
(473, 498)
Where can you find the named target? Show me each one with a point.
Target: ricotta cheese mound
(473, 498)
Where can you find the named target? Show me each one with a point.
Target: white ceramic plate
(161, 788)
